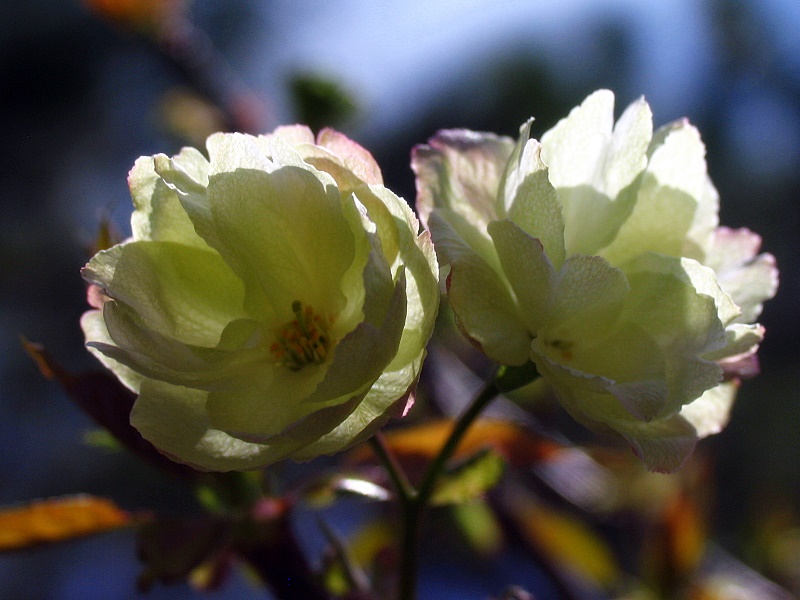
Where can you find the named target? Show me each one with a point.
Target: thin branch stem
(486, 395)
(413, 506)
(405, 492)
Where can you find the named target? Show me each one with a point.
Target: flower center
(304, 340)
(562, 348)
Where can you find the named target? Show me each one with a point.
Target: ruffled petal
(593, 166)
(685, 324)
(185, 292)
(666, 201)
(461, 170)
(284, 234)
(357, 361)
(175, 421)
(709, 414)
(750, 278)
(534, 203)
(484, 308)
(158, 214)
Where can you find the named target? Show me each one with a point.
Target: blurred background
(88, 87)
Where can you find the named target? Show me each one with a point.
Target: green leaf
(566, 541)
(470, 479)
(480, 526)
(101, 438)
(320, 101)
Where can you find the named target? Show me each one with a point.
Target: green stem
(486, 395)
(400, 482)
(413, 505)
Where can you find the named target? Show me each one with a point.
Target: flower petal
(158, 213)
(528, 270)
(388, 398)
(684, 322)
(709, 414)
(461, 170)
(357, 361)
(663, 445)
(161, 357)
(174, 420)
(593, 165)
(741, 338)
(575, 148)
(625, 363)
(589, 290)
(484, 308)
(354, 157)
(228, 152)
(191, 193)
(95, 331)
(285, 234)
(667, 199)
(397, 227)
(749, 278)
(534, 204)
(185, 292)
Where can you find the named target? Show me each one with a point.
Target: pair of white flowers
(275, 299)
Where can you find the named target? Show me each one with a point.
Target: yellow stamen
(304, 340)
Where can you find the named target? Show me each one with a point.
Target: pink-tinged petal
(731, 248)
(353, 156)
(749, 278)
(461, 170)
(740, 367)
(95, 296)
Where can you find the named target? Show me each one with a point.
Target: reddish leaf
(58, 519)
(172, 548)
(517, 444)
(675, 543)
(136, 13)
(686, 532)
(100, 395)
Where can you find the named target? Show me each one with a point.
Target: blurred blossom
(138, 14)
(274, 300)
(597, 255)
(190, 116)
